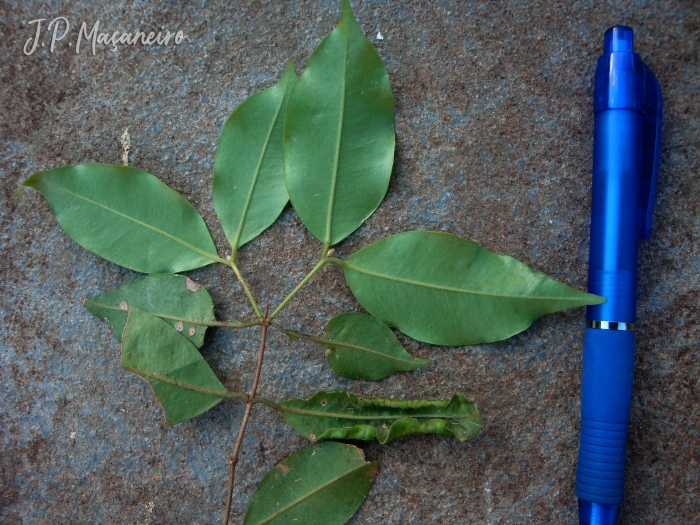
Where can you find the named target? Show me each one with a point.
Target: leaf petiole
(299, 286)
(235, 269)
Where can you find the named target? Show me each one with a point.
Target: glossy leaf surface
(363, 347)
(152, 345)
(441, 289)
(339, 134)
(321, 485)
(341, 415)
(127, 216)
(249, 191)
(175, 297)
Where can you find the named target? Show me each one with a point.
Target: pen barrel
(606, 393)
(612, 271)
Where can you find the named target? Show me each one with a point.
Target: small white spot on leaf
(191, 285)
(123, 305)
(179, 326)
(191, 330)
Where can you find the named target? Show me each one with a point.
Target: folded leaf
(362, 347)
(152, 346)
(341, 415)
(339, 134)
(176, 298)
(127, 216)
(440, 289)
(249, 191)
(321, 485)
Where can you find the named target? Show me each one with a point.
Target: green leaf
(127, 216)
(440, 289)
(339, 134)
(362, 347)
(176, 298)
(321, 485)
(249, 191)
(152, 346)
(341, 415)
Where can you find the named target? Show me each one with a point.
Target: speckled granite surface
(494, 136)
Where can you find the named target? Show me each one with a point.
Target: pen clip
(651, 147)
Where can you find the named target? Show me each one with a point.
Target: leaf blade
(248, 190)
(174, 297)
(440, 289)
(360, 346)
(152, 345)
(341, 415)
(126, 216)
(321, 485)
(339, 134)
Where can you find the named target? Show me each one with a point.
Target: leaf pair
(326, 140)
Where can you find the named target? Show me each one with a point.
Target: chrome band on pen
(610, 325)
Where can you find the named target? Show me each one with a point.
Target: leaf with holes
(440, 289)
(321, 485)
(127, 216)
(175, 298)
(341, 415)
(152, 346)
(248, 190)
(360, 346)
(339, 134)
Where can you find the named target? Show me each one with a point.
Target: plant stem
(299, 286)
(246, 415)
(235, 269)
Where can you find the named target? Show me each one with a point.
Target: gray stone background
(494, 135)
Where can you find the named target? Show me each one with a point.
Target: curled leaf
(321, 485)
(341, 415)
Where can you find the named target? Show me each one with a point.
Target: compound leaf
(152, 346)
(175, 298)
(441, 289)
(249, 191)
(322, 485)
(339, 134)
(341, 415)
(360, 346)
(127, 216)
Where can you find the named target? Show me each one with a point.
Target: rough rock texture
(494, 135)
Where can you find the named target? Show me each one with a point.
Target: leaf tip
(346, 11)
(595, 299)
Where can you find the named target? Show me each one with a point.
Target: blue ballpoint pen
(625, 166)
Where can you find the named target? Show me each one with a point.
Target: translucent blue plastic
(627, 105)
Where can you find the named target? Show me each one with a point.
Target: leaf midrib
(307, 412)
(331, 200)
(311, 493)
(330, 342)
(452, 289)
(239, 231)
(214, 258)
